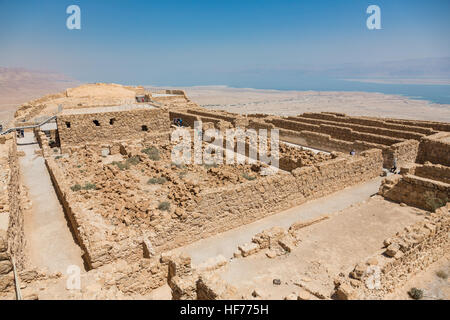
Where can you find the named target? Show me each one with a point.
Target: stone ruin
(128, 204)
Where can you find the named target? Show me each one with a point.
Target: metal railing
(28, 127)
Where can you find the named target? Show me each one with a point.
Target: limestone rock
(5, 267)
(345, 292)
(304, 295)
(248, 249)
(292, 296)
(358, 272)
(3, 241)
(271, 254)
(392, 249)
(269, 237)
(287, 243)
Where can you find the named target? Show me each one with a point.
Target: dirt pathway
(49, 241)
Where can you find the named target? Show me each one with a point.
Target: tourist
(394, 166)
(352, 153)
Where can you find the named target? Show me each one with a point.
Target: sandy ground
(295, 102)
(49, 241)
(227, 242)
(432, 281)
(326, 249)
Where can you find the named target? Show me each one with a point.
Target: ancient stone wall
(366, 121)
(188, 119)
(12, 241)
(415, 191)
(337, 132)
(414, 248)
(81, 128)
(438, 126)
(216, 210)
(362, 128)
(404, 152)
(257, 199)
(97, 251)
(435, 149)
(221, 116)
(431, 171)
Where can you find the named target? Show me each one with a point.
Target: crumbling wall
(12, 240)
(413, 126)
(216, 115)
(415, 191)
(188, 119)
(435, 149)
(432, 171)
(363, 128)
(410, 250)
(404, 152)
(221, 209)
(97, 250)
(201, 283)
(335, 131)
(435, 125)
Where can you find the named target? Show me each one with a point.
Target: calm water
(434, 93)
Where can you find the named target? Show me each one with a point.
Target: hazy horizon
(225, 42)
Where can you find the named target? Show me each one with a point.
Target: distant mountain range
(18, 85)
(428, 68)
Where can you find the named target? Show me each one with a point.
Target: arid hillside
(18, 85)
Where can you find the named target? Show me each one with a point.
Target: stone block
(248, 249)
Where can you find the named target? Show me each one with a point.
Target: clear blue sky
(214, 41)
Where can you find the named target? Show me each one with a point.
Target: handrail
(28, 127)
(16, 279)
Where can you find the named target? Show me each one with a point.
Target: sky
(215, 41)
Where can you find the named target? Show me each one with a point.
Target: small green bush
(121, 165)
(125, 165)
(58, 157)
(415, 293)
(158, 180)
(433, 202)
(442, 274)
(164, 206)
(133, 160)
(248, 177)
(89, 186)
(75, 188)
(152, 153)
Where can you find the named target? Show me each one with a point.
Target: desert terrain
(289, 103)
(98, 190)
(19, 85)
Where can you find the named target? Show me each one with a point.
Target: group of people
(178, 122)
(20, 133)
